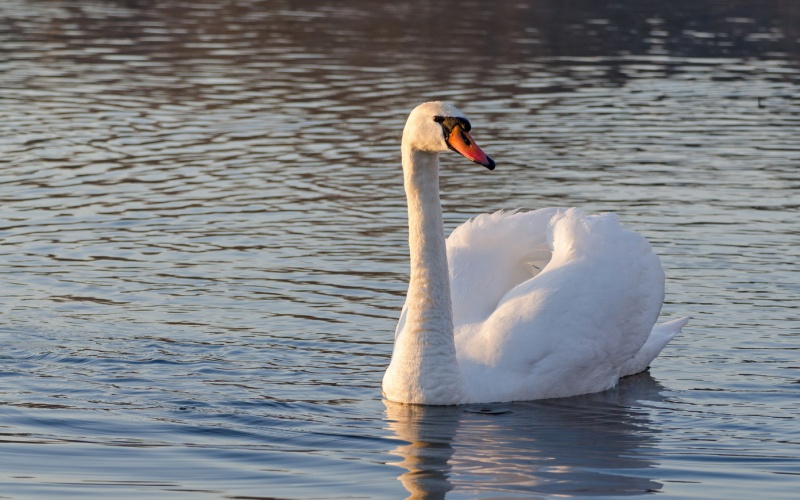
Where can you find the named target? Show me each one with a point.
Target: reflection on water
(589, 444)
(429, 431)
(203, 241)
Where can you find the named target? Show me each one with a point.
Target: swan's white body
(516, 305)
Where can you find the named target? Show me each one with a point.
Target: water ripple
(204, 244)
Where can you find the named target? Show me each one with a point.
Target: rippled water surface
(203, 242)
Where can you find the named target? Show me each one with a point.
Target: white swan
(515, 305)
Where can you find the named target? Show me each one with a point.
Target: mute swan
(515, 305)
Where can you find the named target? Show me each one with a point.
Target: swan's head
(438, 126)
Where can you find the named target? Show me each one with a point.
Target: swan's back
(549, 303)
(491, 254)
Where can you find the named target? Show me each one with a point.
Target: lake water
(203, 242)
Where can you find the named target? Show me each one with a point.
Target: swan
(515, 305)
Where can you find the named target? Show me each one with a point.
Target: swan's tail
(659, 337)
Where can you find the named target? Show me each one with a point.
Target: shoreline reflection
(564, 446)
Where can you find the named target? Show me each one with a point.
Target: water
(204, 257)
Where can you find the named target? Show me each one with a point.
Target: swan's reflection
(599, 444)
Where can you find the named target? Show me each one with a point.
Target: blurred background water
(202, 236)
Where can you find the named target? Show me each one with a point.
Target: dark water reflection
(202, 231)
(519, 448)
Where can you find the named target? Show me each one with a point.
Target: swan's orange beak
(461, 142)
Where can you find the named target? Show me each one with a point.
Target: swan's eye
(449, 123)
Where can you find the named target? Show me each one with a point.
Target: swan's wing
(490, 255)
(571, 328)
(659, 337)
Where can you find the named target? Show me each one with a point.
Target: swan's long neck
(424, 366)
(429, 308)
